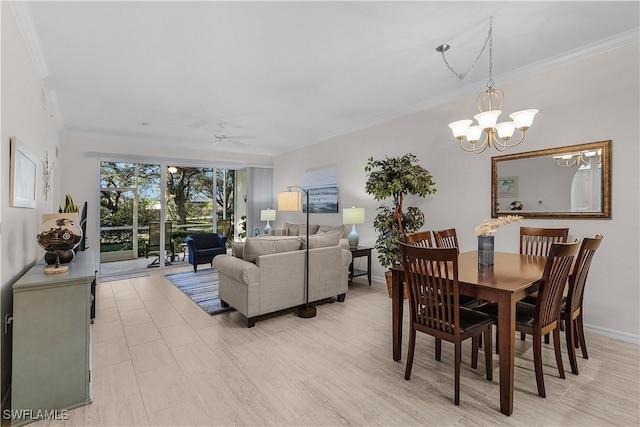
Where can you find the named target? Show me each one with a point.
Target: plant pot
(387, 276)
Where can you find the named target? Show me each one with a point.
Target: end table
(360, 251)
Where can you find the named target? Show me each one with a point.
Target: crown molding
(24, 21)
(614, 42)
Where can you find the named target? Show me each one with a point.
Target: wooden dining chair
(432, 275)
(543, 317)
(537, 241)
(571, 313)
(449, 239)
(420, 238)
(446, 238)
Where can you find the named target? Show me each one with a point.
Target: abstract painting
(322, 185)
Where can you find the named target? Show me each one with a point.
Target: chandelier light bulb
(523, 119)
(487, 119)
(460, 127)
(505, 130)
(473, 134)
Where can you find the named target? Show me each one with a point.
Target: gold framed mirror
(564, 182)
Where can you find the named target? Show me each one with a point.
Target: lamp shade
(524, 118)
(353, 215)
(474, 133)
(290, 201)
(487, 119)
(267, 215)
(460, 127)
(505, 129)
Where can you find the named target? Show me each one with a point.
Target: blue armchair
(203, 247)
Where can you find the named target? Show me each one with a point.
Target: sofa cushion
(327, 228)
(300, 229)
(322, 240)
(258, 246)
(237, 248)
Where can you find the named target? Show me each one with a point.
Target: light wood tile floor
(158, 359)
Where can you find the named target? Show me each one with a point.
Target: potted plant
(394, 178)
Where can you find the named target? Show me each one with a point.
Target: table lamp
(353, 216)
(267, 215)
(291, 201)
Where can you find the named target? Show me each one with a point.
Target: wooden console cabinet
(51, 367)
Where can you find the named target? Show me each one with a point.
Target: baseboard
(612, 333)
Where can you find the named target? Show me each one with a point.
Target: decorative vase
(65, 257)
(485, 250)
(57, 236)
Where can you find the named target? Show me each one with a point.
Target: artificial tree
(394, 178)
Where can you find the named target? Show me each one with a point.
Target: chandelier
(581, 158)
(488, 132)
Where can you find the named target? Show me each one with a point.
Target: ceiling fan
(222, 137)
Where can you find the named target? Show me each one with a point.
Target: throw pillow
(237, 248)
(322, 240)
(258, 246)
(300, 229)
(292, 229)
(327, 228)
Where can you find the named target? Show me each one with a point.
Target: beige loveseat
(267, 274)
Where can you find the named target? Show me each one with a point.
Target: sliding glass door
(132, 208)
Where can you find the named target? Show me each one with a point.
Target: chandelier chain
(487, 42)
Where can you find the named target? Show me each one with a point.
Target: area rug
(201, 287)
(122, 276)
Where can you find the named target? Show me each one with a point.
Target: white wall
(23, 116)
(589, 100)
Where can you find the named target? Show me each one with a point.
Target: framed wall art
(322, 185)
(23, 180)
(508, 186)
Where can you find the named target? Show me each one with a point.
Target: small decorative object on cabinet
(51, 367)
(59, 234)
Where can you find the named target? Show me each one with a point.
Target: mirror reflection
(571, 181)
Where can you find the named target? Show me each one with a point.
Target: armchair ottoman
(203, 247)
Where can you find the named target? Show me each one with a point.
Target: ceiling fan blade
(242, 137)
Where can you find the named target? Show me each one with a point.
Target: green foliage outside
(189, 206)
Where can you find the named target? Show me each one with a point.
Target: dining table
(512, 277)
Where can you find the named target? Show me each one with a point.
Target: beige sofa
(267, 274)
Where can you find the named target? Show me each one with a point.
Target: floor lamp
(291, 201)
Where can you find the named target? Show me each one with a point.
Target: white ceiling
(288, 73)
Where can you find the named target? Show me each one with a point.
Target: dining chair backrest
(553, 282)
(446, 238)
(578, 276)
(420, 238)
(432, 278)
(538, 241)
